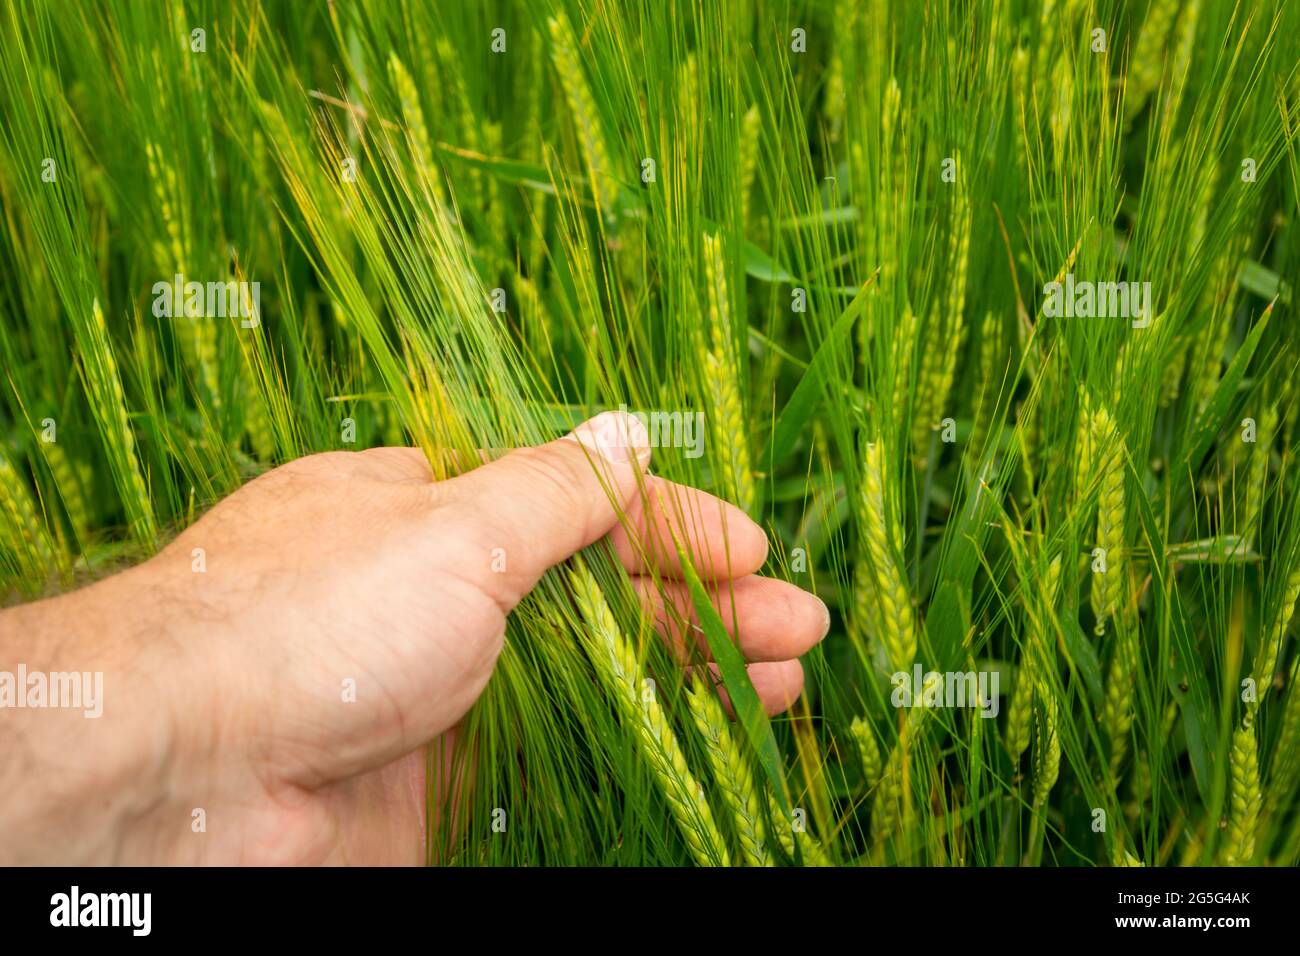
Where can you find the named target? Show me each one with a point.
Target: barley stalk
(731, 771)
(783, 831)
(892, 803)
(564, 53)
(868, 750)
(1244, 801)
(108, 401)
(751, 129)
(1033, 663)
(618, 665)
(1107, 587)
(467, 122)
(1047, 751)
(409, 101)
(722, 371)
(69, 485)
(25, 532)
(1257, 472)
(881, 533)
(1285, 769)
(990, 381)
(1148, 59)
(1270, 649)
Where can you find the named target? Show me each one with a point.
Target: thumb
(536, 506)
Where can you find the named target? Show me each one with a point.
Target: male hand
(344, 574)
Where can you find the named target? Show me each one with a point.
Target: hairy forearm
(88, 720)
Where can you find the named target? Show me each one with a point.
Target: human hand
(227, 688)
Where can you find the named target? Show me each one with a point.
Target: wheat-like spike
(618, 664)
(1020, 97)
(889, 214)
(163, 178)
(782, 830)
(1148, 59)
(1206, 358)
(1022, 704)
(889, 808)
(496, 210)
(905, 337)
(1117, 712)
(69, 485)
(564, 53)
(462, 108)
(197, 334)
(939, 365)
(409, 101)
(1047, 749)
(1184, 44)
(1285, 769)
(1244, 798)
(868, 750)
(1108, 588)
(929, 381)
(751, 131)
(722, 371)
(25, 531)
(113, 405)
(990, 377)
(897, 625)
(1269, 651)
(687, 93)
(1084, 447)
(834, 105)
(257, 424)
(1257, 471)
(533, 316)
(1033, 663)
(732, 773)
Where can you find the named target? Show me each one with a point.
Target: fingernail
(826, 617)
(618, 436)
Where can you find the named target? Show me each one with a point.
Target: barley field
(983, 309)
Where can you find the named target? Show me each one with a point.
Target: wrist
(97, 725)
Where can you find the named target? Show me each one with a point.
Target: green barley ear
(891, 807)
(1085, 436)
(905, 337)
(564, 53)
(1107, 586)
(1033, 662)
(409, 101)
(939, 358)
(1148, 59)
(990, 381)
(1108, 590)
(618, 666)
(70, 488)
(24, 533)
(1244, 799)
(103, 385)
(882, 533)
(1271, 648)
(868, 750)
(1285, 769)
(1047, 750)
(731, 772)
(782, 830)
(722, 371)
(751, 130)
(1257, 473)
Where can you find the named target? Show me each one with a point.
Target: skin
(223, 690)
